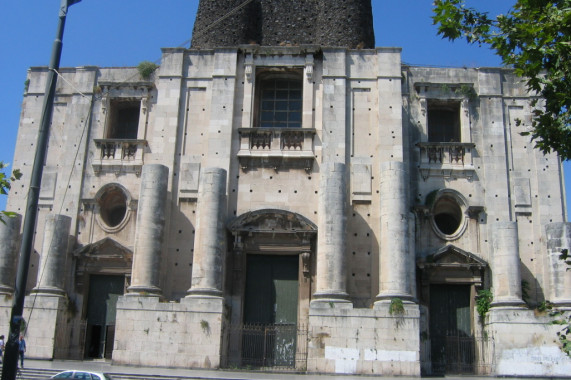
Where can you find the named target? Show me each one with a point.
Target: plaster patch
(345, 358)
(388, 356)
(533, 361)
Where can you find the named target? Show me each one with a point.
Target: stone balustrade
(446, 159)
(276, 147)
(119, 155)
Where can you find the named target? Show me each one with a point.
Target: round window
(448, 215)
(113, 207)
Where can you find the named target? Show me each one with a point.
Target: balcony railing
(276, 147)
(119, 155)
(446, 159)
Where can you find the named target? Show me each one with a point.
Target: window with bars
(280, 101)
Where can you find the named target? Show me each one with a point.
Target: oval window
(113, 204)
(448, 216)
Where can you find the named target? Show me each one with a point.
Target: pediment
(272, 221)
(105, 249)
(452, 256)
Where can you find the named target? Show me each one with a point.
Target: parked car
(81, 375)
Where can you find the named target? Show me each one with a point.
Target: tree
(5, 187)
(534, 38)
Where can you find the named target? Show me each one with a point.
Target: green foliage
(26, 85)
(146, 69)
(483, 302)
(544, 306)
(535, 39)
(562, 318)
(5, 184)
(525, 291)
(566, 257)
(396, 307)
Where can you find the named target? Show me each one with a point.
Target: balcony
(119, 155)
(276, 148)
(446, 159)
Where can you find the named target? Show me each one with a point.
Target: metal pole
(10, 363)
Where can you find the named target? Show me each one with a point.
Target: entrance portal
(452, 343)
(270, 310)
(101, 311)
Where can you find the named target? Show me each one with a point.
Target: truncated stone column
(9, 245)
(149, 232)
(397, 259)
(210, 244)
(558, 239)
(331, 276)
(506, 271)
(51, 273)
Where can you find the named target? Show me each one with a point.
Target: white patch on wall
(390, 356)
(345, 358)
(534, 361)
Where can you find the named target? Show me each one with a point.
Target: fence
(269, 347)
(457, 355)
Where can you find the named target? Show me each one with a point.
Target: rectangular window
(123, 121)
(279, 99)
(443, 121)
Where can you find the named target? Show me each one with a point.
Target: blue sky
(125, 32)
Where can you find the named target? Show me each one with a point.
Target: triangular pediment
(106, 248)
(452, 256)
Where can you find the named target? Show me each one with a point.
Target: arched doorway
(102, 275)
(270, 287)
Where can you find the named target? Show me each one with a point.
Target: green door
(101, 311)
(270, 310)
(452, 343)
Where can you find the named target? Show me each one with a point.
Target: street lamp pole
(10, 363)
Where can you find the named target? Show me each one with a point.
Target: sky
(119, 33)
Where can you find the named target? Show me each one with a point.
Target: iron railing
(457, 355)
(267, 346)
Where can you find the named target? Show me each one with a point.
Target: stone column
(210, 243)
(9, 245)
(52, 270)
(558, 239)
(149, 233)
(331, 276)
(506, 271)
(396, 257)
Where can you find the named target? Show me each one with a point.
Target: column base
(144, 291)
(330, 298)
(512, 303)
(204, 293)
(388, 297)
(6, 290)
(49, 291)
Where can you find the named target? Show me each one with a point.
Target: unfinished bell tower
(347, 23)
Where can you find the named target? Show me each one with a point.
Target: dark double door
(451, 340)
(101, 310)
(270, 311)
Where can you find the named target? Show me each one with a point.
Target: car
(81, 375)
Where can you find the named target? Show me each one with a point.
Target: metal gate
(269, 347)
(458, 355)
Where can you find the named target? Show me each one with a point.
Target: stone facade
(317, 203)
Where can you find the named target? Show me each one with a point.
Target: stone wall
(346, 23)
(153, 333)
(344, 340)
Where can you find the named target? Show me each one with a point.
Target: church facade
(284, 196)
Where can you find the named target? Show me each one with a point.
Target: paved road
(106, 366)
